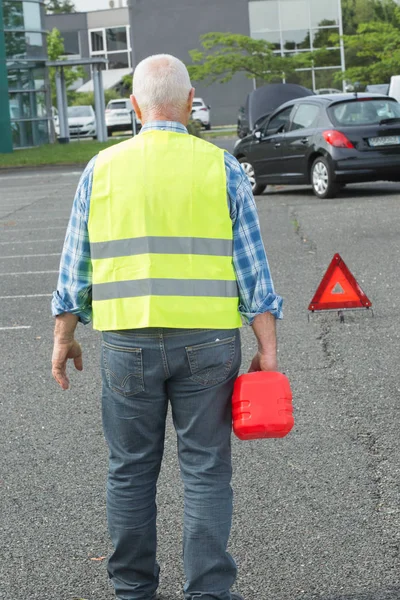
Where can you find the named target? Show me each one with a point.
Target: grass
(74, 153)
(54, 154)
(210, 135)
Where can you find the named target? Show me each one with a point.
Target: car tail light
(205, 109)
(337, 139)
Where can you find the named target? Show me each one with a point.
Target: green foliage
(87, 98)
(376, 51)
(225, 54)
(55, 51)
(56, 7)
(126, 86)
(356, 12)
(194, 128)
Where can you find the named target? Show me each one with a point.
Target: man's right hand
(264, 362)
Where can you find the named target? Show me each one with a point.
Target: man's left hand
(62, 351)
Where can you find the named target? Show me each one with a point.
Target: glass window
(30, 77)
(115, 105)
(296, 40)
(71, 42)
(280, 122)
(321, 37)
(295, 14)
(22, 15)
(27, 105)
(30, 133)
(324, 10)
(364, 112)
(24, 45)
(97, 41)
(264, 16)
(305, 117)
(116, 39)
(13, 15)
(32, 16)
(273, 37)
(118, 60)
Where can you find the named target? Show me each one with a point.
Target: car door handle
(304, 140)
(277, 145)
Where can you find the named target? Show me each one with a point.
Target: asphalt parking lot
(317, 515)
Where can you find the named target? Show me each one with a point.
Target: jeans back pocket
(210, 363)
(124, 369)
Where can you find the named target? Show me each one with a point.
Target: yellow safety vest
(161, 236)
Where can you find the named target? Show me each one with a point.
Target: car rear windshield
(116, 105)
(195, 103)
(364, 112)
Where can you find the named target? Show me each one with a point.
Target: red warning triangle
(338, 289)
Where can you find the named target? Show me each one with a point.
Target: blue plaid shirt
(256, 289)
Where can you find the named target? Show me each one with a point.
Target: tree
(56, 7)
(55, 51)
(376, 46)
(356, 12)
(225, 54)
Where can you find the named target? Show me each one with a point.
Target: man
(164, 252)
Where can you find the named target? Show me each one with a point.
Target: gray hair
(161, 83)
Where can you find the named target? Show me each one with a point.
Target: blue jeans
(195, 370)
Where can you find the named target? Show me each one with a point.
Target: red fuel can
(262, 406)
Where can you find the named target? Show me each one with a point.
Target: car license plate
(121, 114)
(390, 140)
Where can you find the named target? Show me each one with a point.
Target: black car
(260, 103)
(325, 141)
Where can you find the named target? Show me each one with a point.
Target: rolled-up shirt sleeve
(256, 288)
(74, 287)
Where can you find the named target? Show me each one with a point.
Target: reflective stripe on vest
(161, 237)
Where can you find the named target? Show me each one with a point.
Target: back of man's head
(161, 86)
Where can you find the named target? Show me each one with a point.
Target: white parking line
(15, 327)
(31, 242)
(27, 220)
(44, 174)
(26, 296)
(26, 273)
(10, 230)
(29, 255)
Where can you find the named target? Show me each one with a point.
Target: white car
(201, 113)
(81, 122)
(119, 116)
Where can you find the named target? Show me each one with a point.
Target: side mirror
(209, 107)
(258, 135)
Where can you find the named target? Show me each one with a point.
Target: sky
(88, 5)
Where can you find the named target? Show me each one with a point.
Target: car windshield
(364, 112)
(116, 105)
(80, 111)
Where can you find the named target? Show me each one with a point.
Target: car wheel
(248, 168)
(207, 127)
(109, 131)
(322, 179)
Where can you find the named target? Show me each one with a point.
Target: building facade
(296, 26)
(27, 86)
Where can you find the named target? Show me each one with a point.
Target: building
(97, 34)
(292, 26)
(24, 88)
(126, 34)
(295, 26)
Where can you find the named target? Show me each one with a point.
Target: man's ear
(136, 107)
